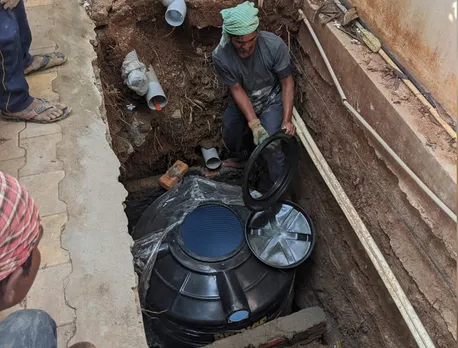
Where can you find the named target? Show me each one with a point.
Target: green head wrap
(239, 20)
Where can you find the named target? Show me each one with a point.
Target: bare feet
(234, 163)
(82, 345)
(40, 111)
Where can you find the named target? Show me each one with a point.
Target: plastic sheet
(166, 213)
(134, 74)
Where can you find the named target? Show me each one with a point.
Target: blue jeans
(29, 328)
(238, 138)
(15, 40)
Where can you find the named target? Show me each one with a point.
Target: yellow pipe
(420, 96)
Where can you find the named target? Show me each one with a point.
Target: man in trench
(15, 62)
(256, 66)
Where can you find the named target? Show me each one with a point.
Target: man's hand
(259, 132)
(9, 4)
(289, 128)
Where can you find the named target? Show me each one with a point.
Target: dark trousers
(15, 40)
(29, 328)
(239, 139)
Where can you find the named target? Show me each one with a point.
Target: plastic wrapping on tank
(167, 212)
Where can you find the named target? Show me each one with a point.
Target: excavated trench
(340, 278)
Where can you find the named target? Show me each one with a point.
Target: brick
(47, 293)
(44, 190)
(52, 253)
(41, 154)
(38, 129)
(12, 166)
(9, 140)
(39, 18)
(304, 326)
(40, 85)
(173, 175)
(64, 334)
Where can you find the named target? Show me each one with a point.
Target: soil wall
(341, 278)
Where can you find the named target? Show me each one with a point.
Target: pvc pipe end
(159, 99)
(213, 163)
(174, 17)
(211, 158)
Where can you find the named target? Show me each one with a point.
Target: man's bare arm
(287, 95)
(243, 102)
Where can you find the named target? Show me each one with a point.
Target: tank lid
(282, 236)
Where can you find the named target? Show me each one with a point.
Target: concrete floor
(86, 281)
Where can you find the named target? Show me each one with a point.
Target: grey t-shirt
(260, 73)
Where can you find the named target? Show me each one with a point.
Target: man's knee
(31, 318)
(29, 328)
(9, 30)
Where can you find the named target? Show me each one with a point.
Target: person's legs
(271, 120)
(14, 90)
(236, 133)
(24, 33)
(28, 328)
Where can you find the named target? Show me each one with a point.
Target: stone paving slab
(40, 154)
(41, 85)
(52, 253)
(102, 284)
(65, 334)
(40, 22)
(38, 129)
(44, 190)
(86, 281)
(47, 293)
(34, 3)
(12, 166)
(9, 140)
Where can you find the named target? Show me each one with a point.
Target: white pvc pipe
(371, 130)
(403, 304)
(175, 13)
(211, 158)
(155, 92)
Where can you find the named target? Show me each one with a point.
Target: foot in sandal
(40, 111)
(45, 61)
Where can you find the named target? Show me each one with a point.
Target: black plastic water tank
(206, 283)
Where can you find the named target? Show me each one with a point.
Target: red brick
(173, 175)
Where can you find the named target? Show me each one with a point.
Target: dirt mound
(147, 141)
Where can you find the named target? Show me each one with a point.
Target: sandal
(30, 115)
(49, 60)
